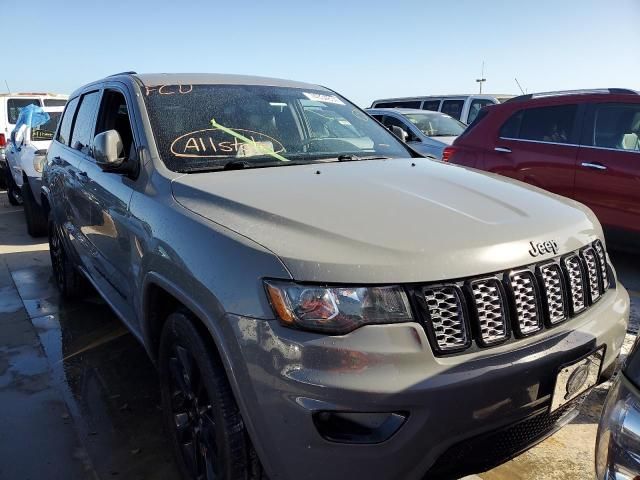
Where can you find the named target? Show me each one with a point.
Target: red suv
(581, 144)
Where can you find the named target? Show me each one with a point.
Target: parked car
(618, 442)
(26, 156)
(426, 132)
(320, 300)
(582, 145)
(10, 105)
(461, 107)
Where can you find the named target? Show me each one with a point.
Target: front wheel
(34, 214)
(69, 280)
(208, 435)
(13, 191)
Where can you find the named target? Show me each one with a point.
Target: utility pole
(481, 80)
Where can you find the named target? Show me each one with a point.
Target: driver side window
(114, 115)
(391, 122)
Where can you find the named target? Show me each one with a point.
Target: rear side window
(433, 105)
(475, 107)
(453, 108)
(64, 133)
(84, 125)
(401, 104)
(54, 102)
(544, 124)
(14, 105)
(617, 126)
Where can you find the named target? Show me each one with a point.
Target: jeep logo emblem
(541, 248)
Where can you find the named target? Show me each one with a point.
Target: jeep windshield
(208, 127)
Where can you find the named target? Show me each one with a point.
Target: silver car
(426, 132)
(321, 301)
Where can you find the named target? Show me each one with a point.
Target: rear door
(539, 146)
(608, 170)
(453, 107)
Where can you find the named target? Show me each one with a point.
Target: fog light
(358, 427)
(618, 442)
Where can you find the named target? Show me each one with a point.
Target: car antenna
(519, 86)
(7, 84)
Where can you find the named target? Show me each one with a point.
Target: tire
(202, 417)
(3, 178)
(70, 282)
(13, 192)
(34, 214)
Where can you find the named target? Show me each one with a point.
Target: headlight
(618, 443)
(39, 159)
(337, 310)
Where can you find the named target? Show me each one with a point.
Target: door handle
(595, 166)
(502, 150)
(83, 174)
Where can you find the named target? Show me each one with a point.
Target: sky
(364, 49)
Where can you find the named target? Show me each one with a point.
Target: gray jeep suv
(321, 302)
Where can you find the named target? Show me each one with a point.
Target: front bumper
(281, 377)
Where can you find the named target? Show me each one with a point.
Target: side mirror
(399, 132)
(108, 149)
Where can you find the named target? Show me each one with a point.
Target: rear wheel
(34, 214)
(68, 279)
(208, 435)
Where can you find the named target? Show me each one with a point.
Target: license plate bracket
(576, 378)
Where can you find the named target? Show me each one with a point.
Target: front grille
(573, 269)
(447, 317)
(554, 293)
(602, 262)
(489, 310)
(525, 295)
(591, 262)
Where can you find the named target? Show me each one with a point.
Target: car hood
(387, 221)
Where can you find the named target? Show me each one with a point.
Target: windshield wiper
(236, 165)
(355, 158)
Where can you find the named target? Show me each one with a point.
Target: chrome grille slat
(525, 296)
(591, 262)
(489, 303)
(602, 261)
(554, 292)
(577, 297)
(447, 317)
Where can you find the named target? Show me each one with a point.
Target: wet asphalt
(79, 399)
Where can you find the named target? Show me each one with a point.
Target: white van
(461, 107)
(10, 105)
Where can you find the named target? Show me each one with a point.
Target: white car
(10, 106)
(464, 108)
(26, 154)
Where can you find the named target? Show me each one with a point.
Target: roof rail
(610, 91)
(123, 73)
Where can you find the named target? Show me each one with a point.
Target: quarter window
(433, 105)
(83, 127)
(14, 105)
(617, 126)
(453, 108)
(64, 133)
(544, 124)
